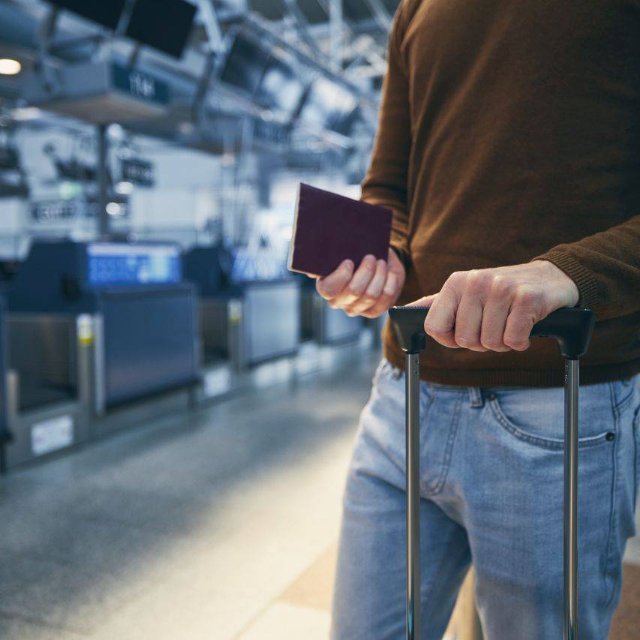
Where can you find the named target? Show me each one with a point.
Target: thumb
(427, 301)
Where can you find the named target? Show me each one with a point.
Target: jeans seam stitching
(612, 516)
(439, 484)
(625, 401)
(423, 416)
(636, 453)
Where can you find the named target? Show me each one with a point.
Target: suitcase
(572, 328)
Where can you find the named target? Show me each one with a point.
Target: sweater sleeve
(386, 180)
(605, 268)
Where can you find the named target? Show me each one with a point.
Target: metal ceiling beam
(302, 27)
(380, 13)
(211, 25)
(336, 22)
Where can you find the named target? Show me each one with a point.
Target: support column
(103, 223)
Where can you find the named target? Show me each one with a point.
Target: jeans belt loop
(476, 399)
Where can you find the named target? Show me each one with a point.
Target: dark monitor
(162, 24)
(342, 121)
(104, 12)
(280, 89)
(244, 65)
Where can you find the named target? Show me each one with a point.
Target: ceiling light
(114, 209)
(24, 114)
(9, 67)
(124, 188)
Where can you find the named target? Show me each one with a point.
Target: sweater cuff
(585, 280)
(403, 255)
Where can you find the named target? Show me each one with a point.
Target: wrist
(402, 256)
(554, 273)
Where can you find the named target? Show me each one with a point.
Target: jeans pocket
(536, 417)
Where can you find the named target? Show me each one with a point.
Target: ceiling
(352, 49)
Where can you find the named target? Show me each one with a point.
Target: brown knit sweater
(509, 131)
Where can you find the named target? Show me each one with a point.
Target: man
(509, 152)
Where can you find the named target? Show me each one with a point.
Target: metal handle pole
(572, 328)
(412, 378)
(572, 382)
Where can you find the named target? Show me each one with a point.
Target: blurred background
(176, 408)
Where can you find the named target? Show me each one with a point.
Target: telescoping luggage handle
(572, 329)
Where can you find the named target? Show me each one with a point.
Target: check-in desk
(241, 324)
(321, 323)
(49, 370)
(110, 327)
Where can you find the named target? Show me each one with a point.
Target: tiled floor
(188, 529)
(222, 526)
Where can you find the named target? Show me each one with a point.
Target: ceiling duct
(98, 92)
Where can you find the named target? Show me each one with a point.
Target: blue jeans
(492, 493)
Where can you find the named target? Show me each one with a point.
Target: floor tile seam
(279, 598)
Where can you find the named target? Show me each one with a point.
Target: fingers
(525, 312)
(390, 292)
(330, 286)
(373, 291)
(358, 284)
(427, 301)
(468, 323)
(369, 290)
(494, 317)
(491, 309)
(441, 320)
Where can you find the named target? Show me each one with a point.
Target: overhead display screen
(280, 89)
(111, 264)
(162, 24)
(104, 12)
(244, 65)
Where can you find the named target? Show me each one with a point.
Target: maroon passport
(329, 228)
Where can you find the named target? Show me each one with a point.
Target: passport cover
(329, 228)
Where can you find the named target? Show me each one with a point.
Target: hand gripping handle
(571, 327)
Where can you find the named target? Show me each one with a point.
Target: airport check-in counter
(96, 326)
(245, 324)
(321, 323)
(47, 385)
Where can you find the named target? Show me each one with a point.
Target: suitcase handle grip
(571, 327)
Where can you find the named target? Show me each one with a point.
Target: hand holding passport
(345, 243)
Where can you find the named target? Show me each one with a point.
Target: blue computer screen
(131, 264)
